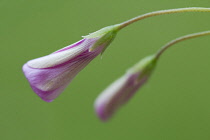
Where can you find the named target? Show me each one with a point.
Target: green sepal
(103, 31)
(144, 66)
(104, 41)
(106, 36)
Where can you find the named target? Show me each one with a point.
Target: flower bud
(119, 92)
(49, 75)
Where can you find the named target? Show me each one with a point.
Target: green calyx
(106, 36)
(145, 66)
(103, 31)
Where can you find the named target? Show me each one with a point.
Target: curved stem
(190, 36)
(162, 12)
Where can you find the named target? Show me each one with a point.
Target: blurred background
(173, 105)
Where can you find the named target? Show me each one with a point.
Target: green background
(173, 105)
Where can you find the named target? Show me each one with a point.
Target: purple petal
(117, 94)
(49, 82)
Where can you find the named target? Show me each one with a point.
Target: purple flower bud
(49, 75)
(119, 92)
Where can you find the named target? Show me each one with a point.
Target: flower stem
(162, 12)
(177, 40)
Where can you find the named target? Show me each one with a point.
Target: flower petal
(48, 83)
(116, 95)
(62, 55)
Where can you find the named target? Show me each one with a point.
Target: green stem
(190, 36)
(162, 12)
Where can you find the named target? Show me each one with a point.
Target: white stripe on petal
(57, 58)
